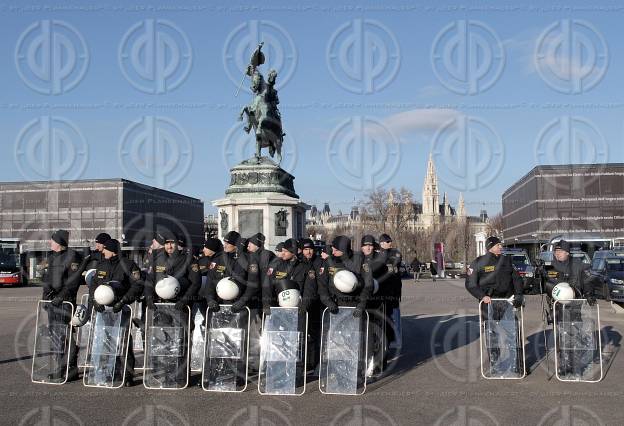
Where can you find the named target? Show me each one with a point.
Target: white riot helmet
(168, 288)
(89, 276)
(104, 295)
(345, 281)
(80, 316)
(227, 289)
(563, 291)
(288, 294)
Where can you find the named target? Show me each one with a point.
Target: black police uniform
(61, 281)
(293, 270)
(179, 265)
(331, 297)
(228, 265)
(494, 276)
(128, 275)
(257, 267)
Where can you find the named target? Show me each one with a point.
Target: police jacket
(574, 272)
(63, 276)
(379, 271)
(391, 281)
(179, 265)
(494, 276)
(293, 270)
(330, 295)
(228, 265)
(123, 271)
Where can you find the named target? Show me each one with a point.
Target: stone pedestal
(261, 197)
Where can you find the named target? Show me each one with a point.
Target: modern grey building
(580, 202)
(129, 211)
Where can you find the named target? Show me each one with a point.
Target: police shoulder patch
(321, 270)
(212, 265)
(195, 267)
(253, 268)
(311, 274)
(489, 268)
(269, 271)
(74, 266)
(366, 267)
(136, 274)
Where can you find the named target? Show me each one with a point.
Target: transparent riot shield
(82, 335)
(578, 345)
(226, 357)
(108, 347)
(53, 340)
(137, 330)
(344, 348)
(197, 338)
(283, 347)
(502, 340)
(167, 347)
(377, 341)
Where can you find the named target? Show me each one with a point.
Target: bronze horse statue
(263, 116)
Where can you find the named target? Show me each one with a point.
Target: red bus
(11, 271)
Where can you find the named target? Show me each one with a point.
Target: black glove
(333, 308)
(98, 307)
(266, 310)
(591, 299)
(181, 305)
(117, 307)
(214, 306)
(303, 308)
(518, 301)
(237, 307)
(149, 302)
(357, 312)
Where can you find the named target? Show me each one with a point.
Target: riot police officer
(128, 288)
(61, 280)
(227, 264)
(494, 276)
(313, 265)
(288, 268)
(259, 261)
(171, 261)
(341, 258)
(91, 261)
(391, 284)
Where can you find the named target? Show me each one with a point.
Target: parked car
(524, 266)
(608, 275)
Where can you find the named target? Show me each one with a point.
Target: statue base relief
(261, 197)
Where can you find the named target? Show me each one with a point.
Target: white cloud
(414, 121)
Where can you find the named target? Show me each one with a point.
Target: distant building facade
(583, 202)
